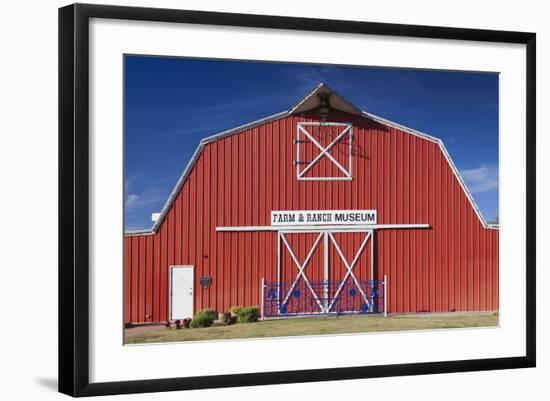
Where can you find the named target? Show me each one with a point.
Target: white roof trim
(293, 110)
(253, 124)
(196, 155)
(144, 231)
(401, 127)
(312, 101)
(447, 156)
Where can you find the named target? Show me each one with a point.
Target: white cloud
(143, 201)
(481, 179)
(131, 199)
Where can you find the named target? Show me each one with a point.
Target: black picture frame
(74, 198)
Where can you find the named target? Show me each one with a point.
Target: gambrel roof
(311, 101)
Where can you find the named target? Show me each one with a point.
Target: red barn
(320, 203)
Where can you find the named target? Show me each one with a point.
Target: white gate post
(279, 272)
(385, 296)
(262, 289)
(326, 273)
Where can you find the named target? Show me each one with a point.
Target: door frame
(326, 240)
(192, 267)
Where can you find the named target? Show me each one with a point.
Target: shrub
(248, 315)
(204, 318)
(212, 313)
(236, 310)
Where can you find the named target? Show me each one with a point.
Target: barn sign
(312, 217)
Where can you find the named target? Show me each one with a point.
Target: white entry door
(181, 292)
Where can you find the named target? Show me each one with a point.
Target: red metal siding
(237, 181)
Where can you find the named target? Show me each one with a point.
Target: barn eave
(313, 100)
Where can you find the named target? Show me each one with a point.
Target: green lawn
(313, 325)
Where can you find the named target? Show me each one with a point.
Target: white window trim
(324, 151)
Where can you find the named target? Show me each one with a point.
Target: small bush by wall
(204, 318)
(249, 315)
(246, 315)
(235, 310)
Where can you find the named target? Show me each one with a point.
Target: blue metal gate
(323, 297)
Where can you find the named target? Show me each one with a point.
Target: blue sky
(171, 103)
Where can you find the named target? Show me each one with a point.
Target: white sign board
(323, 217)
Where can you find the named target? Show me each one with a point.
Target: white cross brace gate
(325, 306)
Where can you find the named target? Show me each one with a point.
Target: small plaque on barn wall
(206, 281)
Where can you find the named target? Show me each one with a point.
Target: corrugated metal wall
(239, 179)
